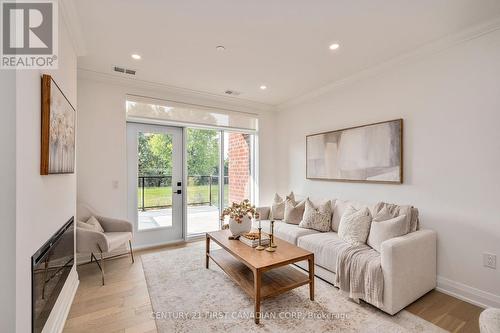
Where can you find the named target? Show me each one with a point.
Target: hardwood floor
(123, 305)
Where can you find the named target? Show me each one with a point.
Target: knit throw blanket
(359, 273)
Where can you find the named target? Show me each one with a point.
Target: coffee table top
(286, 253)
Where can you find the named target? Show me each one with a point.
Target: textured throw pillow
(93, 222)
(278, 207)
(355, 225)
(317, 218)
(381, 231)
(339, 209)
(83, 225)
(294, 211)
(382, 215)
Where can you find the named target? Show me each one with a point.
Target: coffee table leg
(207, 251)
(256, 286)
(311, 277)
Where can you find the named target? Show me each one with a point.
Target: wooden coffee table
(261, 274)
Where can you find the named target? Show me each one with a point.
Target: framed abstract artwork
(58, 130)
(370, 153)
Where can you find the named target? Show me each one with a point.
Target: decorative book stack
(252, 239)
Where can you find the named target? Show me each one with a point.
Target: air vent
(124, 70)
(232, 92)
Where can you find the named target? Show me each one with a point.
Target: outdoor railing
(156, 192)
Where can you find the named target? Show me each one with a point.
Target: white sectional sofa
(408, 262)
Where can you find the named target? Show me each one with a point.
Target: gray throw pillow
(278, 206)
(317, 218)
(381, 231)
(294, 211)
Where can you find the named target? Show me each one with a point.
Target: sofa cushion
(284, 231)
(325, 246)
(117, 239)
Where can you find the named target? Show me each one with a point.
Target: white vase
(240, 228)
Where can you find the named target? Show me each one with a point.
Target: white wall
(101, 144)
(44, 203)
(450, 103)
(8, 199)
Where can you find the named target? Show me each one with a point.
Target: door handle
(179, 192)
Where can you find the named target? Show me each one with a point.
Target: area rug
(187, 297)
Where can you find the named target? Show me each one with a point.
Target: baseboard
(161, 244)
(57, 318)
(467, 293)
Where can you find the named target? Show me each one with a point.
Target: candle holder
(260, 247)
(272, 246)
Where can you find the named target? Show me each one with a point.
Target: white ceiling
(280, 43)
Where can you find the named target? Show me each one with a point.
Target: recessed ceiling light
(220, 48)
(263, 87)
(136, 56)
(334, 46)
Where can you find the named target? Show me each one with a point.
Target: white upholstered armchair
(117, 233)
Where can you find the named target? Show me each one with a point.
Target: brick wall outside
(239, 167)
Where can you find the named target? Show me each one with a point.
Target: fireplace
(50, 267)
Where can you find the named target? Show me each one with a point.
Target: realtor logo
(29, 34)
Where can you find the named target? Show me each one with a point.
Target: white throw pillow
(278, 206)
(319, 218)
(294, 211)
(339, 209)
(381, 231)
(355, 225)
(93, 222)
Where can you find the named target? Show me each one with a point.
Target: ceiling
(282, 44)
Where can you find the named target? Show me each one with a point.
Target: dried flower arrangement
(237, 211)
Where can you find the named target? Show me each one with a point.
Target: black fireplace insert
(50, 267)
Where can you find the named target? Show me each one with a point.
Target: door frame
(182, 128)
(145, 238)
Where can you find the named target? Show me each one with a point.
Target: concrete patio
(200, 219)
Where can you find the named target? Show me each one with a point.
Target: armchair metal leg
(102, 264)
(101, 268)
(131, 250)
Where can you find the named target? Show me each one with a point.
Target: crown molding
(180, 94)
(72, 21)
(404, 59)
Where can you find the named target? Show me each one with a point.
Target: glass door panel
(203, 159)
(155, 176)
(154, 180)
